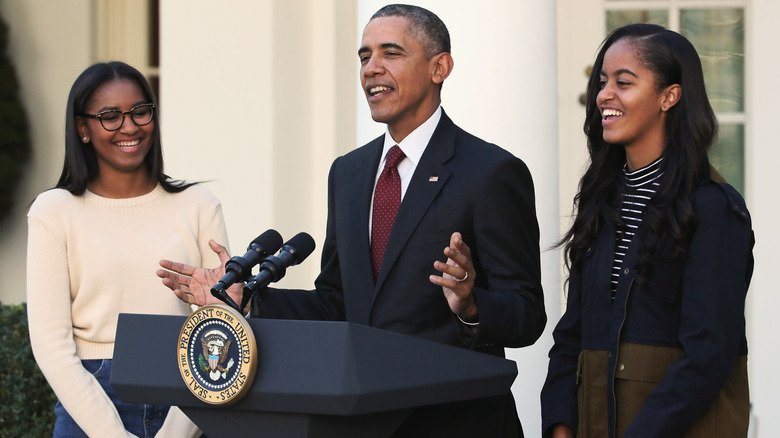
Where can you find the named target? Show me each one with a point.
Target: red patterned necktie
(387, 199)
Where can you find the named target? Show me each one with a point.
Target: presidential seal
(217, 354)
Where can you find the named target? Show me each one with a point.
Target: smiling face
(402, 85)
(121, 151)
(633, 110)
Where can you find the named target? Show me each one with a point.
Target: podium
(314, 378)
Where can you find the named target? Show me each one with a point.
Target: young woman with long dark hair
(93, 245)
(652, 343)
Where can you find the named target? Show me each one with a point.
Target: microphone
(238, 269)
(273, 268)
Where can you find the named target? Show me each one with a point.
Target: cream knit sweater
(90, 258)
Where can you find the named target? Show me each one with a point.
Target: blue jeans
(140, 420)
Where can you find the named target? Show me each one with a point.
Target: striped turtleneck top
(638, 187)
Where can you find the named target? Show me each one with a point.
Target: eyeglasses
(112, 120)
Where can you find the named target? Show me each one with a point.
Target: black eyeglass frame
(100, 115)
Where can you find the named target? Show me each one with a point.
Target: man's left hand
(457, 279)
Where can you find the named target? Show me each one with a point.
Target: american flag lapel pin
(433, 179)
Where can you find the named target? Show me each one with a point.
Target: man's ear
(671, 95)
(442, 66)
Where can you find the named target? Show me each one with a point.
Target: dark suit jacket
(460, 184)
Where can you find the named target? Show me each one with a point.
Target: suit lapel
(358, 207)
(429, 178)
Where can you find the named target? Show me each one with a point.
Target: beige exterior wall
(762, 158)
(276, 81)
(48, 48)
(282, 78)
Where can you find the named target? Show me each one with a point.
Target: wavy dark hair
(691, 128)
(81, 165)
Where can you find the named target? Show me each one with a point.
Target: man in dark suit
(458, 193)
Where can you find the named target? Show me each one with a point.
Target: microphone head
(270, 241)
(300, 246)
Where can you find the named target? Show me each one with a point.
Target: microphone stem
(222, 295)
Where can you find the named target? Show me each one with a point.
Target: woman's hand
(562, 431)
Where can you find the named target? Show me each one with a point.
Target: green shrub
(14, 136)
(27, 407)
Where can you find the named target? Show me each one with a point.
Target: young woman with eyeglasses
(93, 246)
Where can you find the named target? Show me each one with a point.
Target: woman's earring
(85, 138)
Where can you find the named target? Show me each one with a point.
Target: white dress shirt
(413, 147)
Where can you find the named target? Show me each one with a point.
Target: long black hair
(691, 128)
(80, 165)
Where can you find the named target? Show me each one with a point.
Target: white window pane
(616, 19)
(728, 154)
(719, 37)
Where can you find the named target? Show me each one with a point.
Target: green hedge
(15, 146)
(27, 407)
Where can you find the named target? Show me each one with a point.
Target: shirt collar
(415, 143)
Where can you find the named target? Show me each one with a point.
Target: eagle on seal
(215, 355)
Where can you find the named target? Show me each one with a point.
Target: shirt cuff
(470, 324)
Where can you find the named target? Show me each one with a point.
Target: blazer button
(621, 367)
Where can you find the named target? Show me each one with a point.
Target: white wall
(763, 156)
(254, 100)
(503, 89)
(47, 55)
(216, 105)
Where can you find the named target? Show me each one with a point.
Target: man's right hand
(193, 285)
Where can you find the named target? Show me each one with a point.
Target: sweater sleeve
(51, 336)
(211, 226)
(178, 425)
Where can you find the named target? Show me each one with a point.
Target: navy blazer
(694, 302)
(460, 184)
